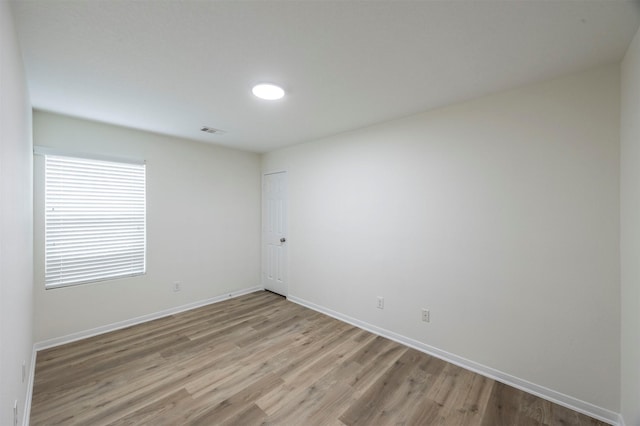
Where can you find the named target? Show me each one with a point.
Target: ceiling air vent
(212, 130)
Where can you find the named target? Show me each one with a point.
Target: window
(95, 217)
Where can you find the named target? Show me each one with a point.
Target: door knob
(283, 239)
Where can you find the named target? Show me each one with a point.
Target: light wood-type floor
(259, 359)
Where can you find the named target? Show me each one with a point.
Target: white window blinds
(94, 220)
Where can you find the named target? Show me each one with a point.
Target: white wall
(203, 226)
(630, 232)
(500, 215)
(16, 249)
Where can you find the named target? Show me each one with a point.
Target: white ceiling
(174, 66)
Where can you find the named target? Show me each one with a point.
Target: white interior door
(274, 232)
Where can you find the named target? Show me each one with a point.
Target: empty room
(320, 212)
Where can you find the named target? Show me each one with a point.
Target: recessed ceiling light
(270, 92)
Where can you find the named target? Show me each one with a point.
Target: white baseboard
(57, 341)
(27, 403)
(621, 420)
(524, 385)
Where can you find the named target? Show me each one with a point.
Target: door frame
(262, 229)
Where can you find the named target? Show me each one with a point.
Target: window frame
(104, 266)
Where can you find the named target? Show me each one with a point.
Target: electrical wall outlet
(177, 286)
(426, 316)
(380, 302)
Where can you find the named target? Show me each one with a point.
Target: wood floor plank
(261, 360)
(97, 386)
(156, 412)
(236, 403)
(375, 365)
(317, 391)
(251, 415)
(386, 394)
(506, 407)
(317, 377)
(314, 405)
